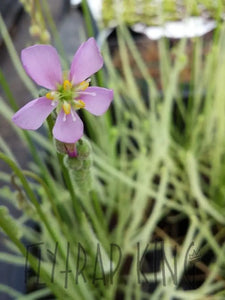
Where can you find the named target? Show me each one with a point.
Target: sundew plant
(124, 194)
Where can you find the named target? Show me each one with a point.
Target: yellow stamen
(67, 85)
(50, 95)
(79, 104)
(67, 108)
(83, 85)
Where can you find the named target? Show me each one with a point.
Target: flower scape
(68, 91)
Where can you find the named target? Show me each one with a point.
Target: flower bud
(80, 166)
(60, 147)
(35, 30)
(87, 163)
(45, 37)
(83, 149)
(73, 163)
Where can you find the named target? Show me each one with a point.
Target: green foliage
(152, 12)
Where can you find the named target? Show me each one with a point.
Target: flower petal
(42, 64)
(68, 131)
(32, 115)
(86, 61)
(97, 104)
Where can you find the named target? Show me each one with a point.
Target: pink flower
(67, 93)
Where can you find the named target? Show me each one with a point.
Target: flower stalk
(79, 166)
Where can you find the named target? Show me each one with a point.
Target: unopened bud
(35, 30)
(45, 37)
(87, 163)
(80, 166)
(73, 163)
(83, 149)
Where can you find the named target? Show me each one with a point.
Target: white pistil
(87, 93)
(64, 118)
(73, 116)
(54, 103)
